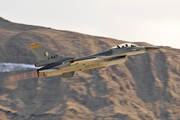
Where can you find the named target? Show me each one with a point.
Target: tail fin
(44, 54)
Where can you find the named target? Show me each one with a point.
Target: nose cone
(149, 49)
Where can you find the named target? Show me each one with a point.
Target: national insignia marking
(46, 53)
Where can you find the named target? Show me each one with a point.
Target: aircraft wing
(108, 58)
(86, 60)
(97, 58)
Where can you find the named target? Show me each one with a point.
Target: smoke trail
(9, 67)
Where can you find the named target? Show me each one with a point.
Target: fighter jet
(54, 64)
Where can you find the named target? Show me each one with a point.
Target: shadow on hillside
(150, 73)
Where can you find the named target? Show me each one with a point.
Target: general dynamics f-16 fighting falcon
(54, 65)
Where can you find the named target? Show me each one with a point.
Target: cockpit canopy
(125, 45)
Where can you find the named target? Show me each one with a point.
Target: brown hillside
(145, 87)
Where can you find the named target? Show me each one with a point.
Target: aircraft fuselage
(92, 62)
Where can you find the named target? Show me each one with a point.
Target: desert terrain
(145, 87)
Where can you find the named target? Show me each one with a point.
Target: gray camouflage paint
(67, 67)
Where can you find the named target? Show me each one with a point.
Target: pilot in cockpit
(125, 45)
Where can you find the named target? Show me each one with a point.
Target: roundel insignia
(46, 53)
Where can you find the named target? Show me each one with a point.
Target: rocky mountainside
(145, 87)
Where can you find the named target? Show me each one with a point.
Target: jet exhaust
(22, 76)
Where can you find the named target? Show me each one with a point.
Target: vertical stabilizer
(44, 54)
